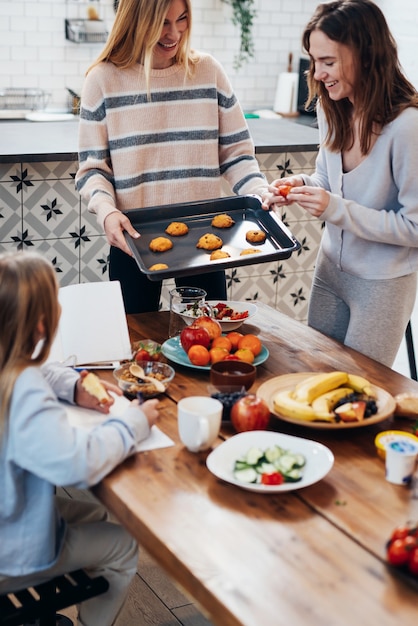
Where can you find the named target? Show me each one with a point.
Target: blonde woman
(159, 124)
(365, 187)
(42, 535)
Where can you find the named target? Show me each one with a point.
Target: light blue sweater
(40, 450)
(372, 218)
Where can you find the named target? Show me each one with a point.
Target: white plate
(228, 325)
(319, 458)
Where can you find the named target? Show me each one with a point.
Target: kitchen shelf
(80, 31)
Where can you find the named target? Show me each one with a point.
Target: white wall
(35, 53)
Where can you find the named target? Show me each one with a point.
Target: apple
(194, 335)
(250, 413)
(351, 411)
(212, 326)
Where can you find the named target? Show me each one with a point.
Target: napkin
(88, 418)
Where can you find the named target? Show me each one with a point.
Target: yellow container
(387, 436)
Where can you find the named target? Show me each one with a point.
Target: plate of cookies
(199, 237)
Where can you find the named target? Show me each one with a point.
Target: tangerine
(245, 354)
(218, 354)
(199, 355)
(222, 342)
(252, 342)
(234, 336)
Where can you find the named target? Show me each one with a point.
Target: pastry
(158, 266)
(177, 229)
(222, 220)
(255, 236)
(94, 387)
(219, 254)
(160, 244)
(209, 242)
(249, 251)
(407, 405)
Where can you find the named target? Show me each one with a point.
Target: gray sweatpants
(101, 547)
(367, 315)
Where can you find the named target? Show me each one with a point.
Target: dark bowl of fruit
(233, 374)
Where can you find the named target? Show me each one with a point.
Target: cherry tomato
(275, 478)
(284, 190)
(400, 533)
(142, 355)
(398, 552)
(413, 562)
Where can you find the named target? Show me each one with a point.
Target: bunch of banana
(314, 398)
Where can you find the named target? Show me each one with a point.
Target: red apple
(194, 335)
(250, 413)
(212, 326)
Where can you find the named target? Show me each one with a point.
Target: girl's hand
(313, 199)
(85, 399)
(279, 191)
(115, 225)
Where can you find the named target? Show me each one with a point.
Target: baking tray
(185, 259)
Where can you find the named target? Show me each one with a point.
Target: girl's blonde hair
(28, 295)
(135, 33)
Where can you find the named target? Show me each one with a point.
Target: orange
(222, 342)
(245, 354)
(234, 336)
(199, 355)
(251, 342)
(218, 354)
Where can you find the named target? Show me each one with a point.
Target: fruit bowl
(132, 385)
(227, 324)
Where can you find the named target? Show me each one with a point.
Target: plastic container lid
(384, 438)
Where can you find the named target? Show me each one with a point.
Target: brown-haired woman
(365, 187)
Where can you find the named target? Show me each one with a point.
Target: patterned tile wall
(41, 210)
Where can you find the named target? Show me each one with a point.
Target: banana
(287, 406)
(313, 386)
(323, 405)
(361, 385)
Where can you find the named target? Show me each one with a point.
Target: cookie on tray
(158, 266)
(249, 251)
(222, 220)
(209, 242)
(160, 244)
(177, 229)
(219, 254)
(255, 236)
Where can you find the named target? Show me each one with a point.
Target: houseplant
(243, 14)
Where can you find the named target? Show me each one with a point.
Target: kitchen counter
(25, 141)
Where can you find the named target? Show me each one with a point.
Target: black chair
(411, 352)
(41, 602)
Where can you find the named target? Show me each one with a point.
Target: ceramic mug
(199, 421)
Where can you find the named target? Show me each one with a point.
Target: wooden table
(311, 556)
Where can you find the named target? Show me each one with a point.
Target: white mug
(199, 421)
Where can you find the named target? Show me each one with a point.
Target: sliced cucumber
(265, 468)
(294, 475)
(253, 456)
(272, 454)
(285, 463)
(247, 475)
(299, 460)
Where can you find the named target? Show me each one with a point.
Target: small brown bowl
(232, 374)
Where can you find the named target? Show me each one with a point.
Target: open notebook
(93, 330)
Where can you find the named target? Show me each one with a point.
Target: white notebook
(93, 330)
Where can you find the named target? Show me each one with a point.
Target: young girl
(365, 187)
(159, 124)
(43, 536)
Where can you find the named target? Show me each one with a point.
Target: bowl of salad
(230, 314)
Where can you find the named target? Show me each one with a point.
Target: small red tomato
(275, 478)
(413, 562)
(400, 533)
(398, 553)
(142, 355)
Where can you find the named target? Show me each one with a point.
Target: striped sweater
(175, 148)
